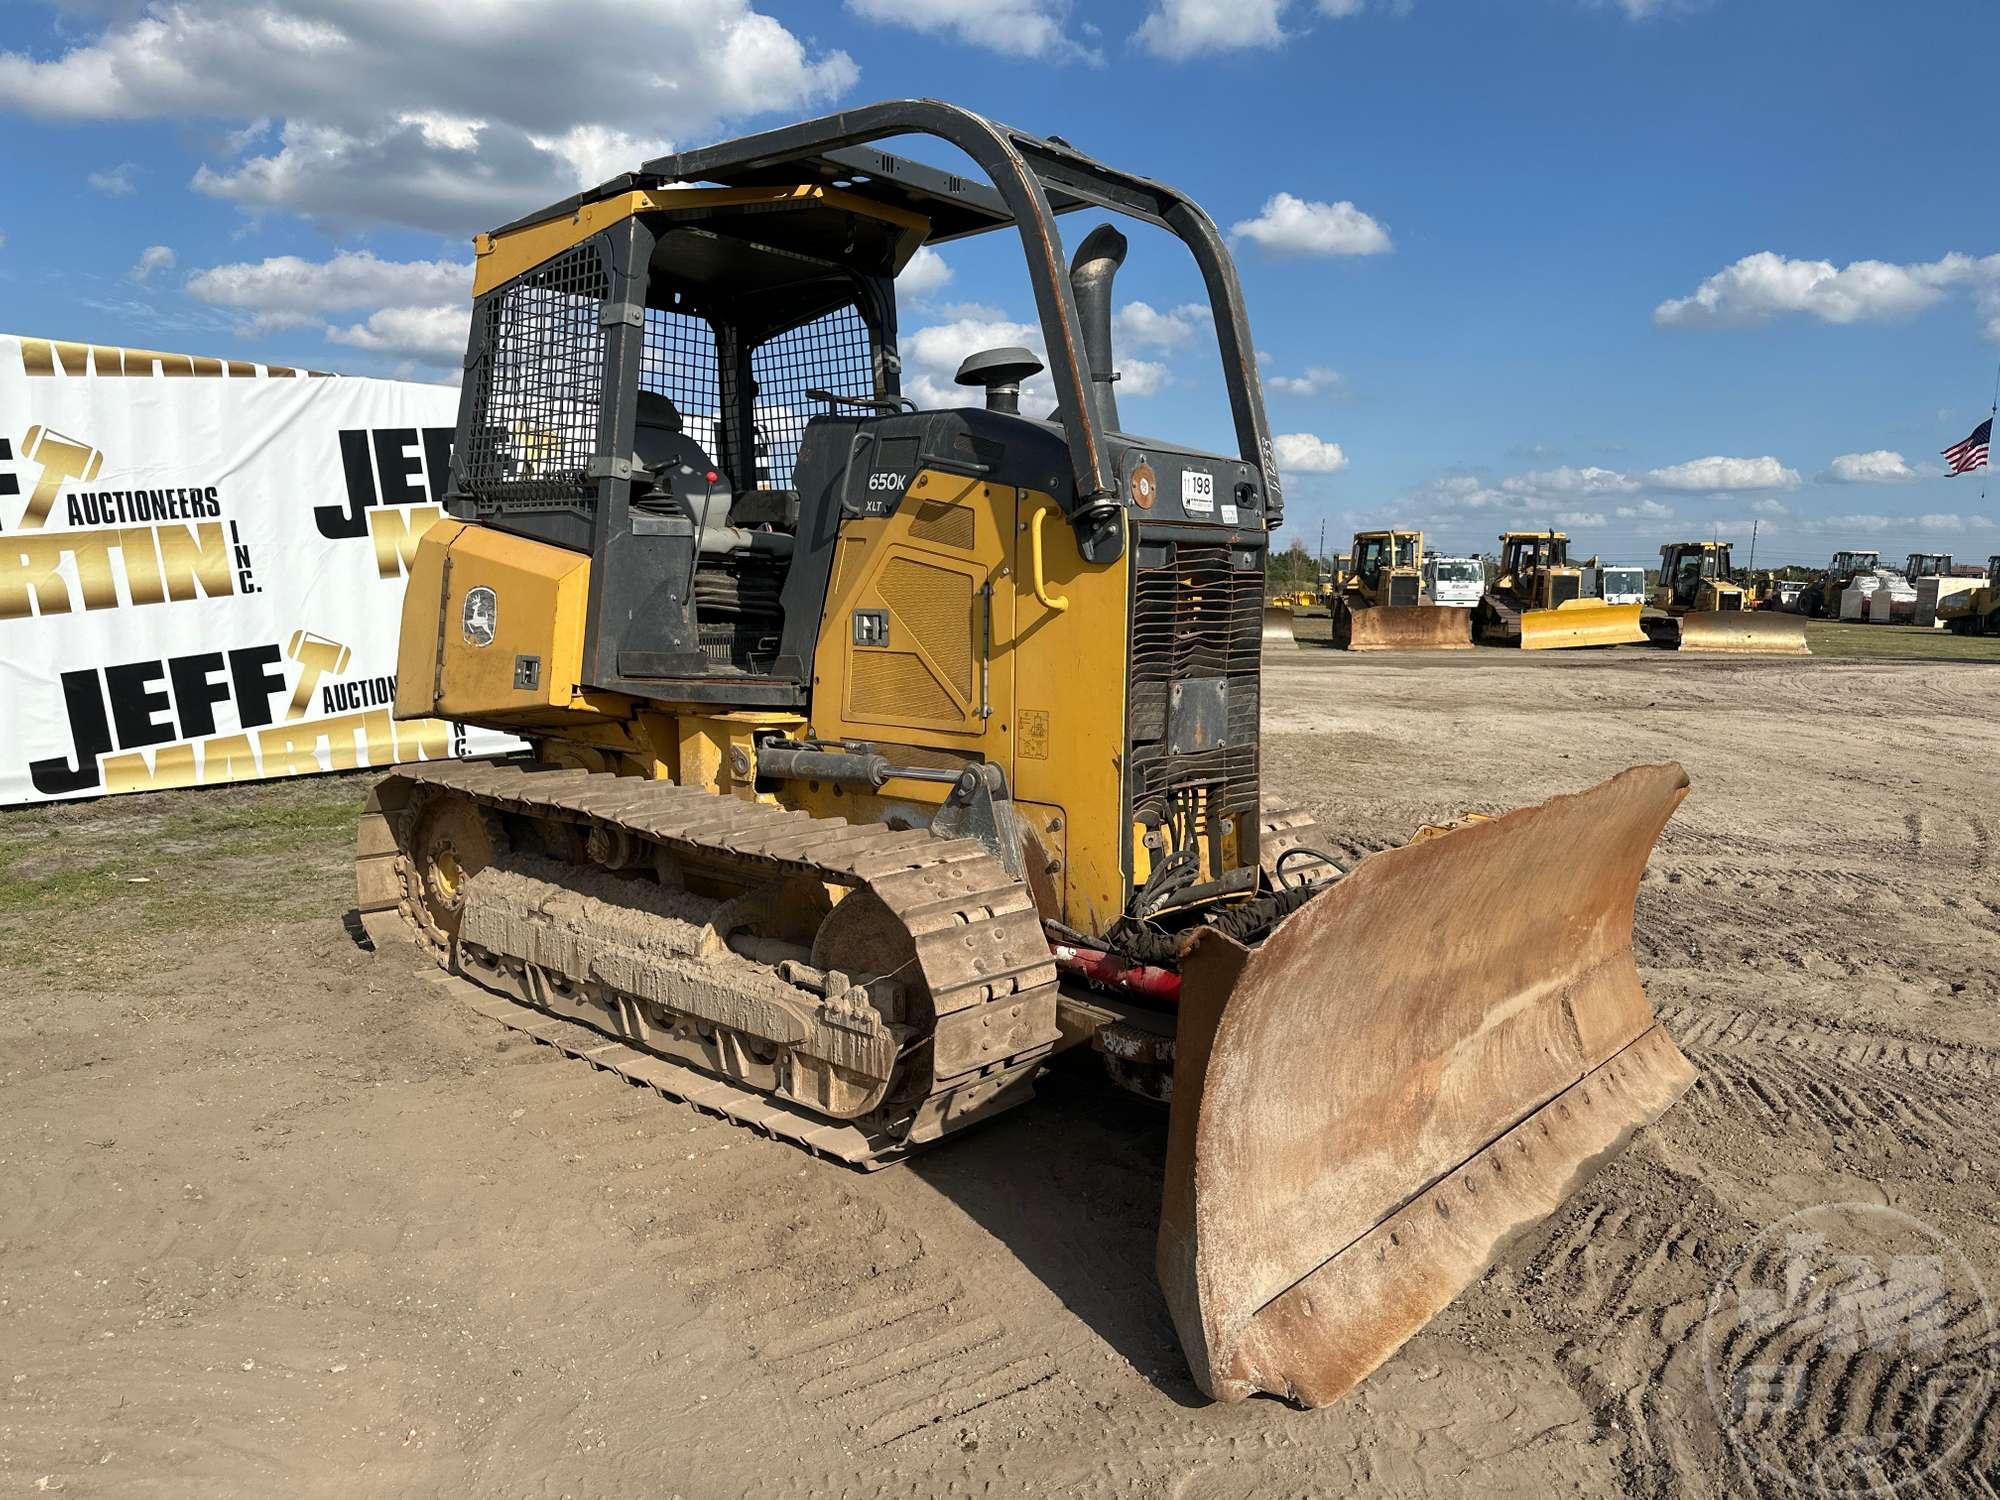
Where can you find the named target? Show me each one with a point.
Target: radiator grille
(1194, 615)
(889, 685)
(943, 523)
(1403, 589)
(934, 605)
(1564, 587)
(531, 431)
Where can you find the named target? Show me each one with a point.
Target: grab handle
(1056, 602)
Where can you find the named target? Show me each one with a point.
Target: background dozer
(1697, 606)
(880, 752)
(1820, 599)
(1380, 607)
(1975, 611)
(1537, 601)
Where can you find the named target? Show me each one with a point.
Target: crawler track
(953, 927)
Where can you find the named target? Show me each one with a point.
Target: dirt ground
(280, 1217)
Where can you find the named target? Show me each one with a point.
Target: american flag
(1963, 458)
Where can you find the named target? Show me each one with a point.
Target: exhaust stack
(1091, 273)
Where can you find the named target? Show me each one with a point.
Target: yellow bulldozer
(1536, 601)
(1974, 611)
(1380, 607)
(1698, 606)
(878, 752)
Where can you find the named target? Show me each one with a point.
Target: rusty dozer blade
(1403, 627)
(1278, 627)
(1416, 1065)
(1581, 622)
(1739, 631)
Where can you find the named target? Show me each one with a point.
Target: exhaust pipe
(1091, 272)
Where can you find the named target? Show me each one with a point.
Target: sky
(1641, 269)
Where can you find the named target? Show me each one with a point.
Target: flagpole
(1992, 411)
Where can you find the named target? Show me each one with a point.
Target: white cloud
(927, 272)
(426, 112)
(1565, 480)
(1765, 285)
(1317, 380)
(1645, 510)
(1299, 226)
(1139, 325)
(152, 258)
(417, 310)
(1016, 28)
(1770, 507)
(288, 288)
(113, 182)
(931, 357)
(1725, 474)
(1303, 453)
(1142, 377)
(1450, 496)
(1579, 518)
(427, 335)
(1182, 29)
(1881, 466)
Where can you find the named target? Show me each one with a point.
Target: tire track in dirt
(1626, 1272)
(1777, 1070)
(840, 1299)
(1816, 1396)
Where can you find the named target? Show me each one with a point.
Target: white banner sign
(201, 569)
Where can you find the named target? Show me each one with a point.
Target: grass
(89, 890)
(1847, 640)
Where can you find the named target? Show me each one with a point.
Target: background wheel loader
(879, 752)
(1537, 601)
(1380, 606)
(1697, 606)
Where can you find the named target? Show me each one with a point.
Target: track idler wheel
(447, 840)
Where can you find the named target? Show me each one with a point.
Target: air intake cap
(1001, 371)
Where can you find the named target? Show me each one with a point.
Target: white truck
(1615, 583)
(1453, 581)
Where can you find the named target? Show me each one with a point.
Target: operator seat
(661, 443)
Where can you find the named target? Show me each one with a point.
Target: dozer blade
(1585, 622)
(1416, 1065)
(1403, 627)
(1742, 631)
(1278, 627)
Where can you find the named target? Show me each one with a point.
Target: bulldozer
(1820, 598)
(1537, 602)
(1380, 607)
(1698, 606)
(880, 752)
(1974, 611)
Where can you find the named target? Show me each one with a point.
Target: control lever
(872, 403)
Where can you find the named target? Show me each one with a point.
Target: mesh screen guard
(535, 395)
(531, 429)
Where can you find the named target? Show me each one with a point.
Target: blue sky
(1640, 268)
